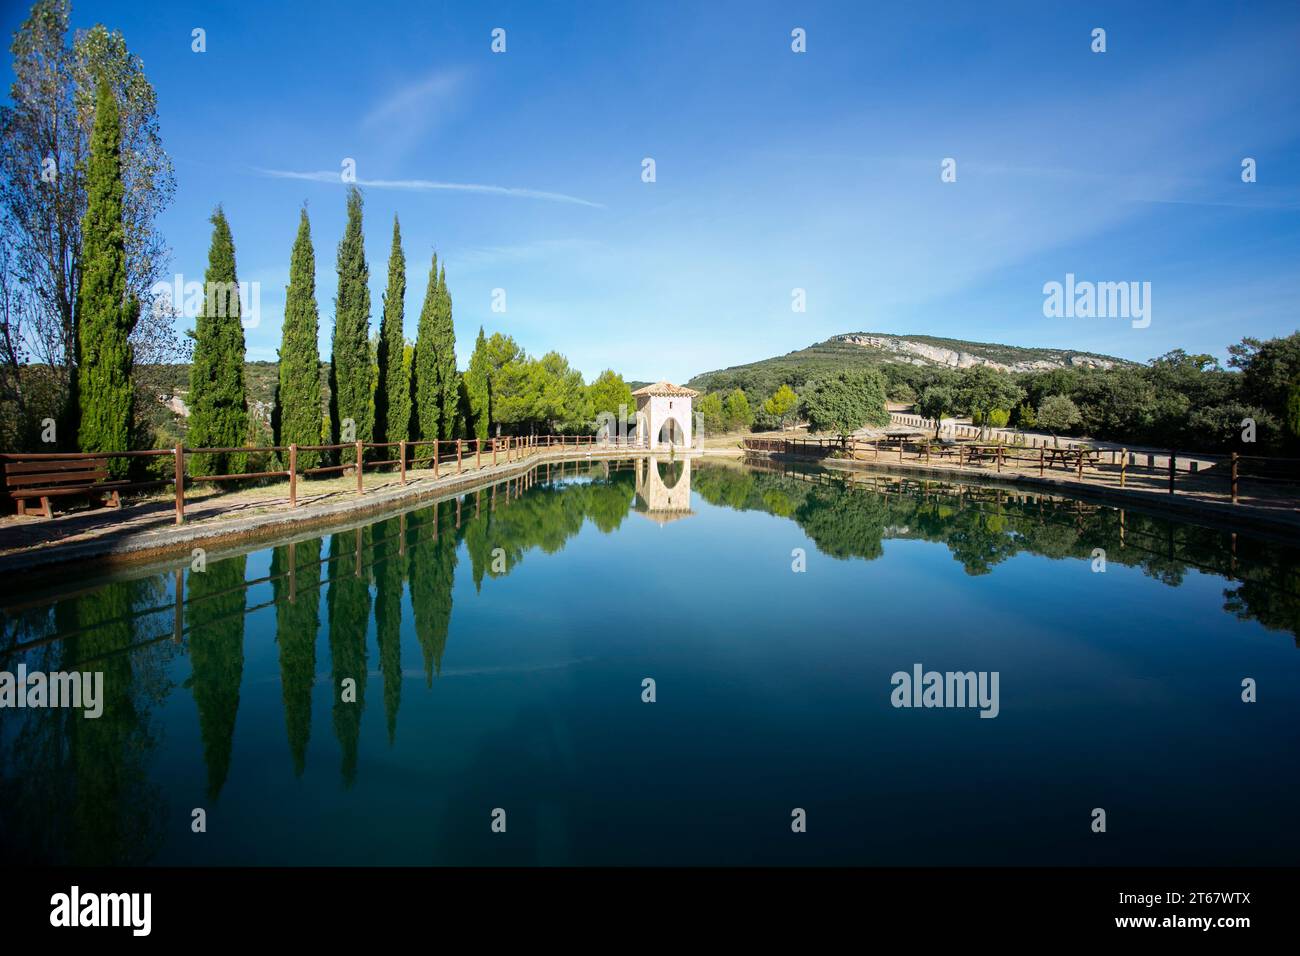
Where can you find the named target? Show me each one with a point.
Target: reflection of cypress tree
(296, 624)
(432, 570)
(389, 570)
(215, 616)
(114, 808)
(348, 603)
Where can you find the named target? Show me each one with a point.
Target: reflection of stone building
(663, 489)
(663, 415)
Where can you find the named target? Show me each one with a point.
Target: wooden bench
(57, 477)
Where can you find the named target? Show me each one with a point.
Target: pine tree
(476, 384)
(449, 419)
(392, 390)
(218, 406)
(428, 408)
(297, 404)
(350, 379)
(104, 390)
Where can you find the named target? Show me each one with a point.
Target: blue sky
(775, 170)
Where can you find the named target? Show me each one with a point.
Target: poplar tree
(297, 402)
(218, 405)
(393, 390)
(350, 378)
(478, 388)
(107, 313)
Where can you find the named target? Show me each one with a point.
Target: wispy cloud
(423, 185)
(420, 102)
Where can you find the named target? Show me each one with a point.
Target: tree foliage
(108, 310)
(218, 404)
(846, 402)
(351, 383)
(392, 390)
(297, 416)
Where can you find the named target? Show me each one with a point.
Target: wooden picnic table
(1069, 457)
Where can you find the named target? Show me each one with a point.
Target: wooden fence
(1082, 460)
(449, 457)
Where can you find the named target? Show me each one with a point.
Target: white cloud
(328, 176)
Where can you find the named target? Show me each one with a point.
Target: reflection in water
(295, 580)
(99, 771)
(850, 514)
(663, 488)
(215, 622)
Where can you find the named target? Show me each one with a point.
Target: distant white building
(664, 415)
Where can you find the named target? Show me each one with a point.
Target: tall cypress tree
(105, 393)
(350, 378)
(218, 405)
(476, 385)
(428, 394)
(449, 418)
(297, 400)
(392, 390)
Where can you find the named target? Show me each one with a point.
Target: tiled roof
(666, 388)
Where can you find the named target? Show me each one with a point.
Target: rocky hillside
(955, 353)
(881, 349)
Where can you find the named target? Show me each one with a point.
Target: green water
(499, 644)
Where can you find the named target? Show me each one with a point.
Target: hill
(857, 349)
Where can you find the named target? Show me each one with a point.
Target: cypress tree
(297, 403)
(218, 406)
(104, 390)
(350, 378)
(428, 395)
(476, 385)
(392, 390)
(449, 418)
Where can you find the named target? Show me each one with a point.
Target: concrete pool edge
(131, 548)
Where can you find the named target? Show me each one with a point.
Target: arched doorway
(671, 433)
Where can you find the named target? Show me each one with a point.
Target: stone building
(664, 415)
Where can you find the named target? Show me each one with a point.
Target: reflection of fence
(365, 554)
(1085, 462)
(438, 455)
(991, 501)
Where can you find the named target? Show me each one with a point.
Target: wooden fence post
(1041, 456)
(1000, 449)
(1123, 466)
(478, 453)
(435, 459)
(1079, 464)
(1234, 477)
(293, 475)
(359, 489)
(1173, 465)
(458, 456)
(401, 457)
(180, 483)
(495, 442)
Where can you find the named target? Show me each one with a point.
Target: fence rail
(440, 455)
(1082, 460)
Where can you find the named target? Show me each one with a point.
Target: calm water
(499, 643)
